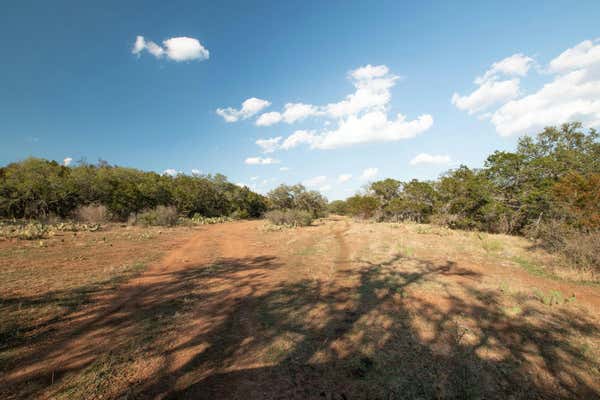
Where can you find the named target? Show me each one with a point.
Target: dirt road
(338, 310)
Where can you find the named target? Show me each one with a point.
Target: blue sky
(72, 86)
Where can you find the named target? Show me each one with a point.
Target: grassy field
(337, 310)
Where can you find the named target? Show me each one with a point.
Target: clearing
(337, 310)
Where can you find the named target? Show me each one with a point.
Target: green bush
(39, 189)
(290, 217)
(296, 197)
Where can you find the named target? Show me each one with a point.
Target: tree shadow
(377, 331)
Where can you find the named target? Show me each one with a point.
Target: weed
(531, 267)
(553, 297)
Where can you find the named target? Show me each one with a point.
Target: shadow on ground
(236, 332)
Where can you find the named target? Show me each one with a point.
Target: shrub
(583, 249)
(580, 248)
(338, 207)
(30, 231)
(362, 206)
(92, 214)
(290, 217)
(158, 216)
(297, 197)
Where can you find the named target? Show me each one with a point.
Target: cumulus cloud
(488, 94)
(298, 138)
(292, 112)
(196, 172)
(249, 108)
(325, 188)
(425, 158)
(268, 119)
(572, 93)
(585, 54)
(269, 145)
(260, 161)
(369, 173)
(361, 117)
(515, 65)
(67, 161)
(494, 90)
(344, 178)
(371, 127)
(315, 182)
(177, 48)
(284, 169)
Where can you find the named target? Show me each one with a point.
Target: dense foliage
(295, 206)
(36, 188)
(548, 188)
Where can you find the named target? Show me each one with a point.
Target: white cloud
(360, 118)
(369, 173)
(572, 94)
(269, 145)
(284, 169)
(249, 108)
(570, 97)
(298, 111)
(139, 45)
(425, 158)
(196, 171)
(488, 94)
(583, 55)
(315, 182)
(373, 85)
(325, 188)
(176, 49)
(344, 178)
(515, 65)
(371, 127)
(254, 178)
(155, 49)
(369, 72)
(67, 161)
(268, 119)
(298, 138)
(492, 89)
(292, 112)
(170, 172)
(260, 161)
(185, 49)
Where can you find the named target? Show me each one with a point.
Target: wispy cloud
(425, 158)
(249, 108)
(261, 161)
(369, 173)
(344, 178)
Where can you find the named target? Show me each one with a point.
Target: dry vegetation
(339, 309)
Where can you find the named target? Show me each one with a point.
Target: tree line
(548, 188)
(36, 188)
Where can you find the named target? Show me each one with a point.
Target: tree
(363, 206)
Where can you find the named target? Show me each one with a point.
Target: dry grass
(343, 310)
(92, 214)
(44, 283)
